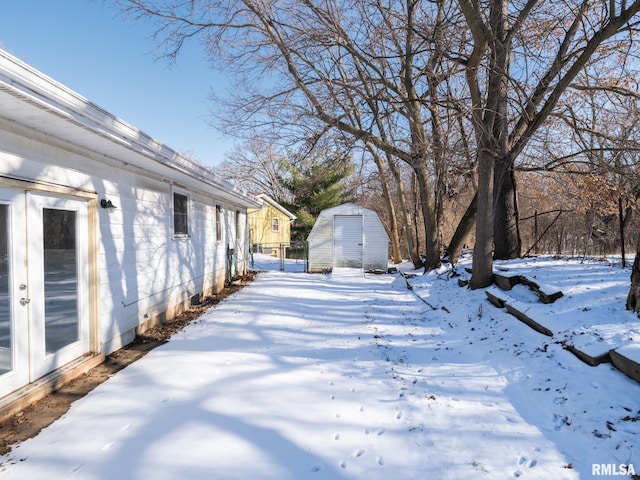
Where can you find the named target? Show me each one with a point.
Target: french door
(44, 320)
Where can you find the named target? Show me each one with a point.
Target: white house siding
(143, 269)
(54, 142)
(375, 240)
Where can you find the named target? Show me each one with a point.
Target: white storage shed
(348, 236)
(123, 232)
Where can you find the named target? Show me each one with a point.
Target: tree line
(449, 105)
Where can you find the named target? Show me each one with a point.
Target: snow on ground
(355, 376)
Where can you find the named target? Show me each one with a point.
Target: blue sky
(89, 47)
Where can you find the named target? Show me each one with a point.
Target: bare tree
(598, 124)
(256, 167)
(309, 66)
(509, 44)
(302, 60)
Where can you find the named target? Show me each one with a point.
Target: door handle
(24, 301)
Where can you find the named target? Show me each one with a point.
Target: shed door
(347, 241)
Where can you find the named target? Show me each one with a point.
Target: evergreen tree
(316, 183)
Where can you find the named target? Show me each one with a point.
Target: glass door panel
(6, 344)
(61, 321)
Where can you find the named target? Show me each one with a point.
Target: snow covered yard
(352, 376)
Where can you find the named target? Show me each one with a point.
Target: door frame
(19, 374)
(42, 362)
(92, 244)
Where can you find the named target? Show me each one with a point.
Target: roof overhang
(267, 199)
(30, 99)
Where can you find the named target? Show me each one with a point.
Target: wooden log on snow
(627, 360)
(546, 293)
(594, 361)
(517, 310)
(495, 297)
(507, 282)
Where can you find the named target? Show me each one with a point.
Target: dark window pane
(218, 223)
(180, 214)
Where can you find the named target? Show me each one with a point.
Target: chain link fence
(288, 256)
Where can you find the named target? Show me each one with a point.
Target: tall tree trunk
(412, 247)
(506, 233)
(394, 236)
(493, 139)
(415, 209)
(432, 251)
(633, 298)
(623, 255)
(464, 228)
(483, 250)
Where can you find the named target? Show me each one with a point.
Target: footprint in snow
(399, 415)
(510, 419)
(560, 421)
(358, 453)
(317, 468)
(380, 461)
(524, 461)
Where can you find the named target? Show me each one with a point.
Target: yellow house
(269, 226)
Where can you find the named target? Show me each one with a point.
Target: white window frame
(219, 222)
(183, 193)
(275, 224)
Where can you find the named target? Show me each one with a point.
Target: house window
(180, 214)
(238, 231)
(218, 223)
(275, 224)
